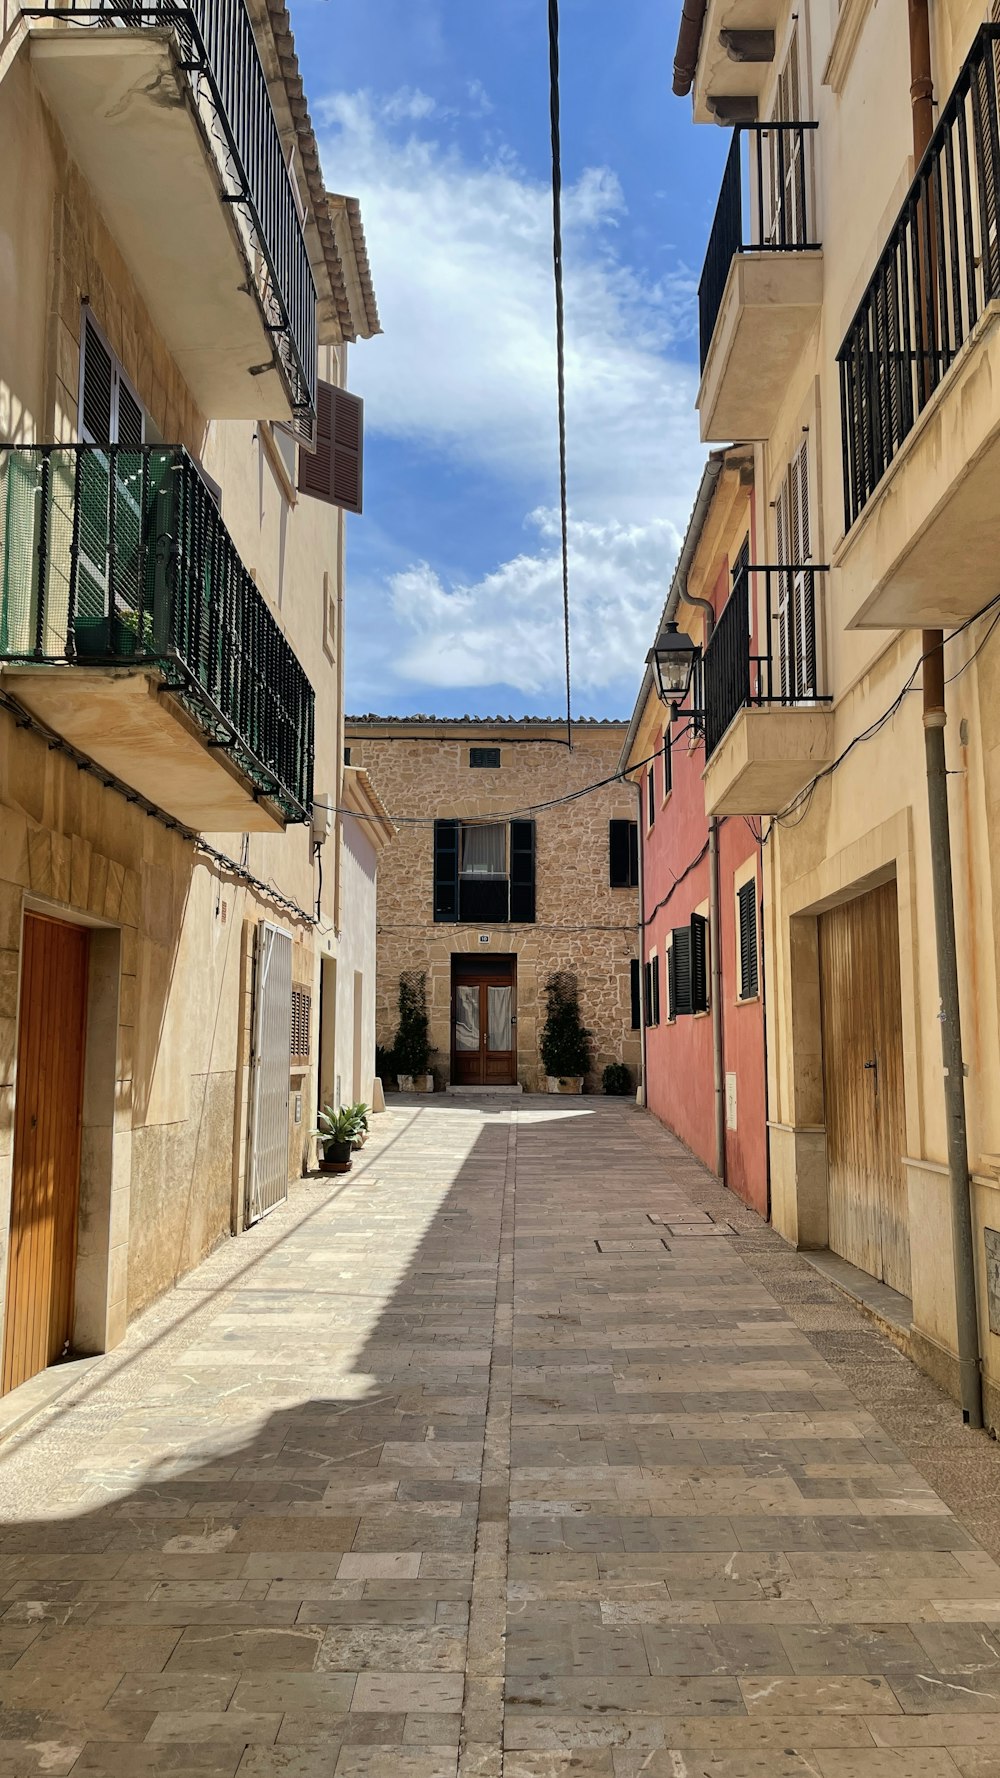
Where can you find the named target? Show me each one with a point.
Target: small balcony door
(483, 1022)
(796, 615)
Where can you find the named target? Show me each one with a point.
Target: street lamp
(672, 658)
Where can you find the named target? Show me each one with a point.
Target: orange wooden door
(48, 1115)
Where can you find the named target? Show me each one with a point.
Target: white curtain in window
(467, 1016)
(484, 851)
(498, 1025)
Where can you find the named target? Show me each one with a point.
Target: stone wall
(582, 924)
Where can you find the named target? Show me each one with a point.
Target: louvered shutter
(647, 991)
(635, 983)
(445, 870)
(522, 872)
(620, 853)
(656, 990)
(668, 763)
(333, 472)
(681, 953)
(805, 621)
(671, 983)
(747, 900)
(633, 854)
(986, 128)
(130, 418)
(96, 387)
(699, 963)
(650, 796)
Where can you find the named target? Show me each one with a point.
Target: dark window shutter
(647, 991)
(636, 990)
(333, 472)
(699, 963)
(620, 846)
(445, 870)
(671, 984)
(522, 871)
(747, 898)
(656, 990)
(129, 418)
(681, 953)
(668, 763)
(97, 386)
(650, 795)
(633, 854)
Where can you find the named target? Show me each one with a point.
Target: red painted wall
(679, 1078)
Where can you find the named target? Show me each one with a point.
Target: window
(301, 1019)
(652, 991)
(110, 410)
(668, 764)
(650, 796)
(635, 971)
(333, 472)
(796, 592)
(746, 901)
(623, 840)
(687, 968)
(484, 871)
(347, 756)
(484, 756)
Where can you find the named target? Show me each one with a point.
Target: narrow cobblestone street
(531, 1345)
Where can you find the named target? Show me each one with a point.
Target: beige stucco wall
(581, 923)
(168, 1163)
(359, 865)
(868, 820)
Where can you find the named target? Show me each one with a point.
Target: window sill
(746, 1000)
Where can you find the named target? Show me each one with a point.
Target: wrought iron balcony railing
(764, 207)
(938, 270)
(219, 54)
(783, 599)
(119, 558)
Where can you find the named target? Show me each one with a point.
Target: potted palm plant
(565, 1043)
(412, 1047)
(338, 1134)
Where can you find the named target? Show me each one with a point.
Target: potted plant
(565, 1044)
(338, 1135)
(617, 1079)
(412, 1047)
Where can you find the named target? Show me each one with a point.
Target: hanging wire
(557, 270)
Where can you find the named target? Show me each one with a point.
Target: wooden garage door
(48, 1115)
(863, 1084)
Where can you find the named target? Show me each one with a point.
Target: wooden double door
(483, 1021)
(48, 1118)
(863, 1085)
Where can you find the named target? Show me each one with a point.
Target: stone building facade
(475, 775)
(171, 624)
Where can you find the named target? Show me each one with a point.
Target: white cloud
(462, 260)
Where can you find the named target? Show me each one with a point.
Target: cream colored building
(849, 330)
(488, 892)
(174, 877)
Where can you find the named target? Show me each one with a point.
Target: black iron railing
(764, 207)
(938, 270)
(119, 558)
(219, 53)
(779, 605)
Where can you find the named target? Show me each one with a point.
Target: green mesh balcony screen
(115, 557)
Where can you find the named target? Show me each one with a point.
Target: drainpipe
(714, 935)
(935, 719)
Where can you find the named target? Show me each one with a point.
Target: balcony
(762, 282)
(166, 110)
(768, 729)
(130, 627)
(737, 55)
(919, 372)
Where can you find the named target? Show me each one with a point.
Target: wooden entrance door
(48, 1116)
(483, 1022)
(863, 1083)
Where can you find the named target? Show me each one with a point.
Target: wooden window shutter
(668, 763)
(749, 974)
(699, 963)
(522, 872)
(656, 990)
(650, 796)
(633, 854)
(333, 472)
(97, 379)
(671, 984)
(445, 870)
(636, 980)
(620, 854)
(681, 955)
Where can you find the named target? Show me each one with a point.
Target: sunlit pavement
(524, 1428)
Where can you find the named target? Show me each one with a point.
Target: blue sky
(435, 114)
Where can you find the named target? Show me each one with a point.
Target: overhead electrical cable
(557, 271)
